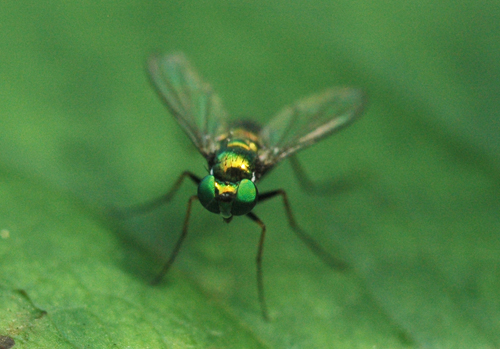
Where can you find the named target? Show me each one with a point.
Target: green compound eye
(245, 199)
(206, 194)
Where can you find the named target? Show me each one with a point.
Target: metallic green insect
(240, 153)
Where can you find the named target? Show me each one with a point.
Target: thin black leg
(177, 247)
(302, 177)
(328, 187)
(155, 203)
(260, 280)
(326, 257)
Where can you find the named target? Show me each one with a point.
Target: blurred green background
(82, 130)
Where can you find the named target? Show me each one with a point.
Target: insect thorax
(235, 160)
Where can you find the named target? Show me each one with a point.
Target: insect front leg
(260, 280)
(177, 247)
(326, 257)
(155, 203)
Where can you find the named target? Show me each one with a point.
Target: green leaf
(409, 195)
(63, 285)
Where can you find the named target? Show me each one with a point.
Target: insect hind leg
(327, 187)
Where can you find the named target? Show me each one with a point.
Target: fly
(241, 153)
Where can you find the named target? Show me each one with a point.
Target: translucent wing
(308, 121)
(190, 100)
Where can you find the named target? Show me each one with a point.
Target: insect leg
(260, 281)
(326, 257)
(177, 247)
(327, 187)
(155, 203)
(304, 180)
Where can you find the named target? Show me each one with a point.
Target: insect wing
(189, 99)
(309, 120)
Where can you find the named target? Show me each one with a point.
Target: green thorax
(236, 158)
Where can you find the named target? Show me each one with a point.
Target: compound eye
(245, 199)
(206, 194)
